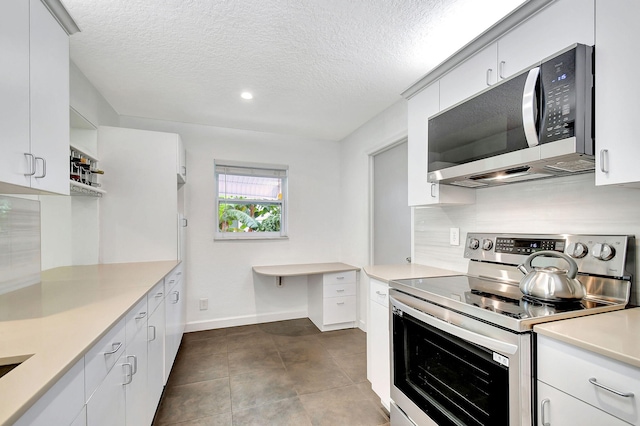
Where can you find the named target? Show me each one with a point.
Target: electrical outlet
(204, 304)
(454, 236)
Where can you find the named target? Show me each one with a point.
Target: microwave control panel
(558, 97)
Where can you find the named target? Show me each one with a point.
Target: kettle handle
(573, 266)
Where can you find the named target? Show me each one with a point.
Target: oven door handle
(470, 336)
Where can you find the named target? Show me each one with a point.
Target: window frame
(256, 170)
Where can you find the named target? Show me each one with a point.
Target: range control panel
(594, 254)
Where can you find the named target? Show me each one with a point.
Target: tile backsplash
(19, 243)
(561, 205)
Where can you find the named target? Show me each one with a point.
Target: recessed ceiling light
(246, 95)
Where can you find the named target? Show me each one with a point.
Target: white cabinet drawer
(556, 408)
(136, 319)
(339, 309)
(336, 290)
(569, 369)
(379, 292)
(339, 277)
(155, 297)
(61, 404)
(173, 277)
(102, 356)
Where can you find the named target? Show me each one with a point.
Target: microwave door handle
(529, 107)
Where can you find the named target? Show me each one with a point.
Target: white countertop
(61, 318)
(612, 334)
(387, 273)
(303, 269)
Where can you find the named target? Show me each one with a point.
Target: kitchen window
(251, 200)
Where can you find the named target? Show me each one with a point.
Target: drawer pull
(379, 293)
(339, 278)
(141, 315)
(159, 295)
(594, 382)
(340, 303)
(115, 348)
(543, 413)
(340, 291)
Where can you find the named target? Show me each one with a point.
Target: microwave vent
(469, 183)
(577, 166)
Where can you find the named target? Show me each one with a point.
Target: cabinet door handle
(135, 364)
(501, 70)
(128, 376)
(433, 190)
(489, 71)
(177, 294)
(604, 159)
(185, 222)
(44, 167)
(153, 327)
(141, 315)
(594, 382)
(184, 170)
(115, 348)
(32, 164)
(543, 416)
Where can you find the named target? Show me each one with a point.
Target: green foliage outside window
(242, 217)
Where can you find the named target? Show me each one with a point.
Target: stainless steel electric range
(462, 346)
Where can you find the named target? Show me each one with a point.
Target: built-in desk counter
(332, 291)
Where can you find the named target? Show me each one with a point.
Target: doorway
(391, 212)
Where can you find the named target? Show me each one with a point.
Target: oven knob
(603, 251)
(577, 250)
(487, 244)
(474, 243)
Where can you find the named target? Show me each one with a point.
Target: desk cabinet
(332, 300)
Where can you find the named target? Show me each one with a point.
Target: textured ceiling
(317, 69)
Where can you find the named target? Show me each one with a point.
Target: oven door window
(453, 381)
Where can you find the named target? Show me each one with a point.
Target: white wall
(571, 205)
(221, 270)
(385, 129)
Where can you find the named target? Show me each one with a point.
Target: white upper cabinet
(14, 102)
(553, 28)
(34, 108)
(617, 109)
(470, 77)
(421, 191)
(421, 107)
(182, 162)
(561, 24)
(49, 94)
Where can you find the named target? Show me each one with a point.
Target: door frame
(386, 145)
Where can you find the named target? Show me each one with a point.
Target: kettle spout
(523, 269)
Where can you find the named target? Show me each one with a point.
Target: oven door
(450, 369)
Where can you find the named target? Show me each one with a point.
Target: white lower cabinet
(332, 300)
(61, 404)
(136, 356)
(556, 408)
(107, 405)
(174, 311)
(119, 381)
(573, 382)
(378, 347)
(155, 359)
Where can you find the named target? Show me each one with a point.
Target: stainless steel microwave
(536, 124)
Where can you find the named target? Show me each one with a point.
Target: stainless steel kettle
(551, 283)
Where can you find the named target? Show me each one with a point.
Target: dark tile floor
(281, 373)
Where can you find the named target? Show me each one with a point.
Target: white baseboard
(243, 320)
(362, 325)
